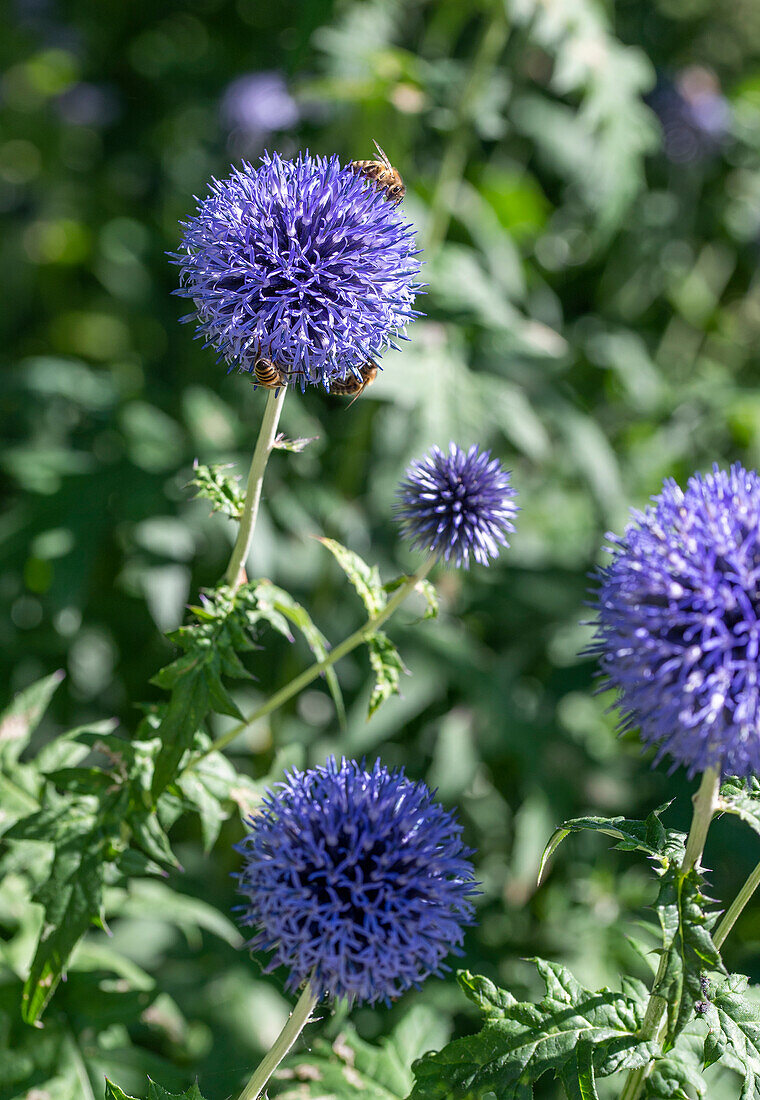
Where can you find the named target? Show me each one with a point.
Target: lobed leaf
(688, 949)
(734, 1035)
(575, 1033)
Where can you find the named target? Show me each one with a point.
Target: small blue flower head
(457, 504)
(358, 881)
(302, 262)
(678, 628)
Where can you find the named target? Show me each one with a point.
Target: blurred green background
(585, 178)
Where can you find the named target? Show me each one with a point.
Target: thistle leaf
(212, 483)
(686, 920)
(575, 1033)
(364, 578)
(21, 717)
(741, 797)
(649, 836)
(387, 665)
(734, 1035)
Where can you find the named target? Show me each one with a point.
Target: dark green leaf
(223, 490)
(734, 1034)
(742, 798)
(678, 1074)
(575, 1033)
(387, 666)
(156, 1092)
(72, 895)
(686, 921)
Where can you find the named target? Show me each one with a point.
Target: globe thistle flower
(678, 629)
(302, 262)
(358, 881)
(457, 504)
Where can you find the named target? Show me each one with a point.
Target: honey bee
(382, 173)
(353, 386)
(268, 373)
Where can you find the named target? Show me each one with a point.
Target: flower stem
(372, 624)
(705, 802)
(732, 913)
(264, 445)
(455, 155)
(294, 1025)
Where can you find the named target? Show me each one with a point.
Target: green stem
(372, 624)
(705, 802)
(264, 445)
(294, 1025)
(732, 913)
(454, 159)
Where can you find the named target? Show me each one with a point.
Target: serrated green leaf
(364, 578)
(688, 949)
(72, 895)
(21, 717)
(649, 836)
(742, 798)
(575, 1033)
(678, 1074)
(387, 666)
(734, 1032)
(224, 492)
(350, 1068)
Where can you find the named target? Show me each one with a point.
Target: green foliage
(222, 489)
(741, 798)
(734, 1031)
(686, 920)
(575, 1033)
(349, 1067)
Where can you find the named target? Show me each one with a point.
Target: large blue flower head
(457, 504)
(302, 262)
(357, 880)
(678, 629)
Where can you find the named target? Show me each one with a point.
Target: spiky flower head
(678, 628)
(357, 880)
(457, 503)
(302, 262)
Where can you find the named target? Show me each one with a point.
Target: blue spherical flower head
(358, 881)
(457, 504)
(678, 629)
(302, 262)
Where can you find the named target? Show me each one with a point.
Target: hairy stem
(732, 913)
(264, 445)
(372, 624)
(455, 155)
(705, 802)
(282, 1044)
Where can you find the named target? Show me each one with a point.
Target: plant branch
(372, 624)
(261, 454)
(734, 910)
(705, 803)
(294, 1025)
